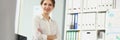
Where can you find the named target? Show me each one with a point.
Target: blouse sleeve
(58, 32)
(38, 34)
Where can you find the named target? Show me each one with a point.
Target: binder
(100, 20)
(106, 4)
(109, 4)
(67, 35)
(85, 5)
(91, 5)
(116, 4)
(91, 20)
(77, 5)
(72, 21)
(77, 36)
(69, 21)
(79, 21)
(102, 6)
(83, 21)
(88, 21)
(72, 35)
(75, 20)
(99, 5)
(69, 5)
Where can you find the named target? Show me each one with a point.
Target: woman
(47, 28)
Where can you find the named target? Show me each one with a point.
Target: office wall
(25, 19)
(58, 15)
(7, 16)
(26, 14)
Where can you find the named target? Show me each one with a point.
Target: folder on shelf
(79, 21)
(91, 20)
(77, 5)
(91, 5)
(77, 36)
(72, 35)
(83, 21)
(72, 22)
(88, 21)
(69, 5)
(100, 20)
(85, 5)
(75, 20)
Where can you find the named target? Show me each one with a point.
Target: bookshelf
(87, 18)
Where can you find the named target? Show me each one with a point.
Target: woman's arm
(38, 31)
(49, 37)
(57, 32)
(39, 34)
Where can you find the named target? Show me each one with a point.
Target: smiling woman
(46, 27)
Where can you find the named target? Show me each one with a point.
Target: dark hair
(53, 1)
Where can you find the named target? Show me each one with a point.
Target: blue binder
(75, 20)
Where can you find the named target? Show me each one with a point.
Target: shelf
(73, 30)
(100, 28)
(82, 29)
(72, 13)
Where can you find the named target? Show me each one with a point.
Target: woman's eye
(45, 3)
(50, 4)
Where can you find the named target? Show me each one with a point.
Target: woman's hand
(39, 30)
(51, 37)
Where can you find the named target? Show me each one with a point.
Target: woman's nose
(47, 6)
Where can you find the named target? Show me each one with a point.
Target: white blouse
(47, 28)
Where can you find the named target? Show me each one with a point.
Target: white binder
(100, 21)
(69, 5)
(117, 5)
(77, 6)
(79, 21)
(108, 4)
(92, 5)
(102, 6)
(88, 21)
(85, 5)
(84, 21)
(68, 21)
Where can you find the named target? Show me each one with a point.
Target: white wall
(58, 15)
(26, 14)
(25, 19)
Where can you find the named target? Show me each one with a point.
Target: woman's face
(47, 6)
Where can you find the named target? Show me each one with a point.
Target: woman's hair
(53, 2)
